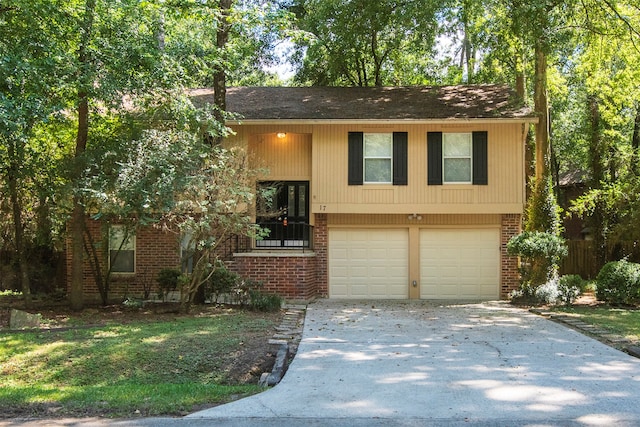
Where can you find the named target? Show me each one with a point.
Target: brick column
(509, 274)
(320, 241)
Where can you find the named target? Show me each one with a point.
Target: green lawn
(148, 368)
(620, 321)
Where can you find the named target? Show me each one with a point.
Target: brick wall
(155, 250)
(291, 275)
(510, 276)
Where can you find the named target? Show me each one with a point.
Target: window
(456, 158)
(377, 157)
(122, 250)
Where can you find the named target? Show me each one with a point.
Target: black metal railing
(293, 235)
(233, 244)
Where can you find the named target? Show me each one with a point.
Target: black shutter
(434, 158)
(480, 163)
(400, 142)
(355, 158)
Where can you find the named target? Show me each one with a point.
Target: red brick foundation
(155, 250)
(292, 275)
(509, 274)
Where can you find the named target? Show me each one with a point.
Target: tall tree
(607, 53)
(116, 55)
(361, 43)
(29, 87)
(223, 27)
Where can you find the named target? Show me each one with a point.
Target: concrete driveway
(404, 363)
(420, 363)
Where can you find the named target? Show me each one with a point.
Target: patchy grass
(624, 322)
(157, 365)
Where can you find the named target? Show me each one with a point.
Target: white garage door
(368, 263)
(460, 264)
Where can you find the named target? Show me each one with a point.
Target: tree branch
(626, 22)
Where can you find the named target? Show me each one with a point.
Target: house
(571, 186)
(384, 193)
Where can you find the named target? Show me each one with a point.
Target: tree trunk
(44, 227)
(597, 220)
(18, 226)
(160, 34)
(541, 107)
(635, 143)
(94, 262)
(220, 74)
(521, 92)
(596, 144)
(521, 89)
(76, 293)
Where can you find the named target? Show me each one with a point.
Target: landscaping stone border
(616, 341)
(286, 339)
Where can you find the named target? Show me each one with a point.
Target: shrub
(548, 292)
(264, 302)
(167, 280)
(221, 282)
(541, 253)
(241, 292)
(556, 290)
(569, 288)
(618, 282)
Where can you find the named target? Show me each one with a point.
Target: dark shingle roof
(371, 103)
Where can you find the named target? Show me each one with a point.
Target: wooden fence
(582, 257)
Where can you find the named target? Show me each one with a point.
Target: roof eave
(249, 122)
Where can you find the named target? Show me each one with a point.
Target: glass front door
(285, 213)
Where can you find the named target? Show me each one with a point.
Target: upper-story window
(457, 158)
(378, 157)
(122, 250)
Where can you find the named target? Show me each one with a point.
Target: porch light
(415, 216)
(281, 135)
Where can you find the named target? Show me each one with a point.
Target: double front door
(283, 209)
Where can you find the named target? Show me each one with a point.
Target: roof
(573, 177)
(371, 103)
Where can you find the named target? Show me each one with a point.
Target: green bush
(264, 302)
(540, 255)
(167, 280)
(221, 282)
(569, 288)
(618, 282)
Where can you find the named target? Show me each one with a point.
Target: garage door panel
(459, 264)
(368, 263)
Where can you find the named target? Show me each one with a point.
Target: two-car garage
(454, 263)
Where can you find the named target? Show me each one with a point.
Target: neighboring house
(571, 186)
(385, 193)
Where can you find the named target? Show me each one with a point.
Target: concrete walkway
(424, 364)
(406, 361)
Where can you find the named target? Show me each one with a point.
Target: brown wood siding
(284, 159)
(327, 168)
